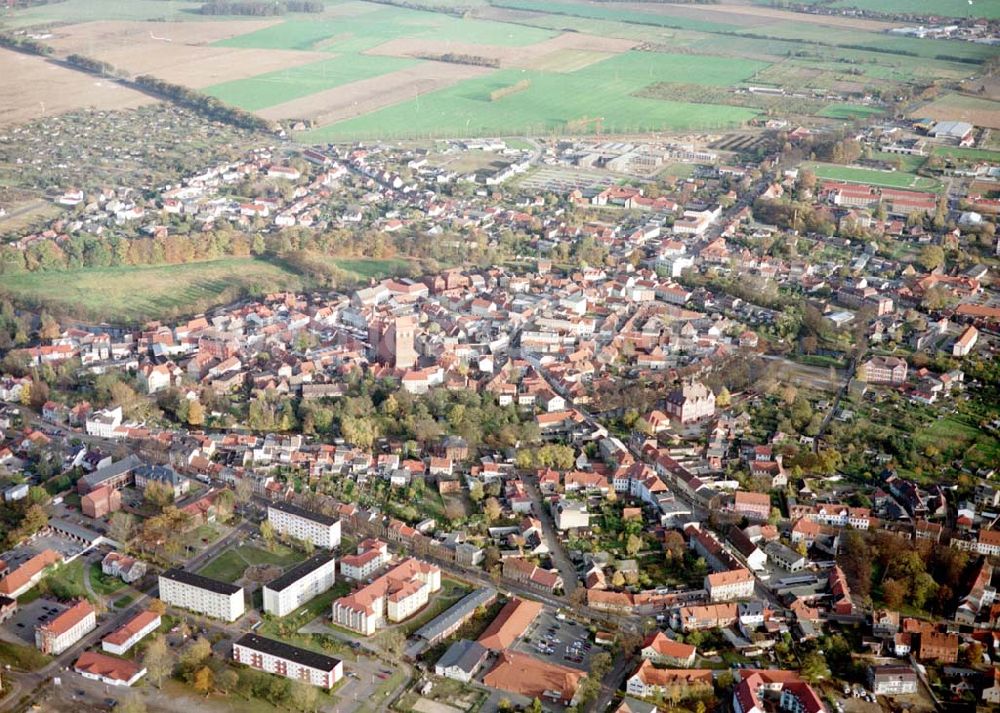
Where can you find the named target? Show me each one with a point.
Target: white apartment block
(140, 626)
(371, 557)
(321, 530)
(291, 662)
(201, 594)
(395, 596)
(66, 629)
(297, 586)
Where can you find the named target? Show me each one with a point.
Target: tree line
(204, 104)
(459, 58)
(24, 44)
(259, 9)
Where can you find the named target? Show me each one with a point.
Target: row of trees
(22, 43)
(204, 104)
(259, 9)
(459, 58)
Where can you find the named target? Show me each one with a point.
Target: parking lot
(19, 555)
(26, 618)
(559, 642)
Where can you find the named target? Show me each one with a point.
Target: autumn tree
(121, 527)
(196, 414)
(492, 509)
(267, 533)
(203, 679)
(158, 660)
(302, 697)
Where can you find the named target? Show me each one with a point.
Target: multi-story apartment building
(394, 596)
(298, 585)
(187, 590)
(892, 680)
(56, 636)
(138, 627)
(289, 661)
(371, 557)
(730, 585)
(317, 528)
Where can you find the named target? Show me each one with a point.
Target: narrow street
(566, 569)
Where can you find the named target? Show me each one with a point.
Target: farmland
(981, 112)
(889, 179)
(603, 90)
(364, 70)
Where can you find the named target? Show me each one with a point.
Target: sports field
(889, 179)
(554, 102)
(849, 111)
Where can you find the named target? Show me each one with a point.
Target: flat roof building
(187, 590)
(298, 585)
(317, 528)
(289, 661)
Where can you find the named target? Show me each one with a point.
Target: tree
(673, 545)
(196, 414)
(723, 399)
(158, 660)
(224, 503)
(394, 643)
(196, 653)
(492, 509)
(302, 696)
(894, 591)
(601, 664)
(632, 545)
(476, 491)
(157, 606)
(159, 494)
(227, 680)
(267, 533)
(814, 667)
(243, 491)
(203, 680)
(931, 257)
(121, 527)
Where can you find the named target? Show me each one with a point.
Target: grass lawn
(25, 658)
(451, 592)
(366, 268)
(958, 438)
(890, 179)
(124, 601)
(102, 583)
(272, 88)
(229, 566)
(560, 102)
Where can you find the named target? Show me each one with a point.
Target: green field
(602, 90)
(229, 566)
(144, 292)
(72, 11)
(135, 293)
(889, 179)
(968, 154)
(617, 14)
(272, 88)
(373, 27)
(849, 112)
(102, 583)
